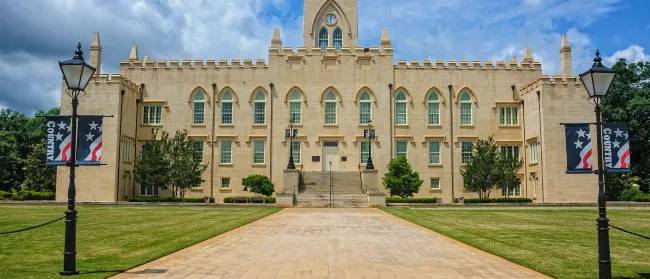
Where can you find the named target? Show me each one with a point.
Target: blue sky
(35, 34)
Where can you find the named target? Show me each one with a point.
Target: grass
(559, 243)
(109, 239)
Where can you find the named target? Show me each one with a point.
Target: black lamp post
(291, 166)
(597, 81)
(77, 73)
(369, 165)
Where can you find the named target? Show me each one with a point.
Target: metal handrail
(366, 190)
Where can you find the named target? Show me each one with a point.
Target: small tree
(400, 179)
(185, 168)
(152, 166)
(258, 184)
(482, 173)
(507, 168)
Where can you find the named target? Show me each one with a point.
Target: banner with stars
(89, 140)
(578, 148)
(57, 140)
(616, 147)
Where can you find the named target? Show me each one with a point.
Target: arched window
(465, 109)
(433, 106)
(365, 110)
(226, 108)
(400, 109)
(330, 108)
(199, 108)
(338, 39)
(295, 108)
(260, 108)
(323, 39)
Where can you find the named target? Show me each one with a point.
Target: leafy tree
(507, 167)
(38, 177)
(400, 179)
(482, 173)
(258, 184)
(185, 168)
(628, 100)
(152, 166)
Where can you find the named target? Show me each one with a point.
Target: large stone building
(429, 111)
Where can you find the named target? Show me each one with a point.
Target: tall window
(226, 152)
(532, 147)
(323, 39)
(127, 150)
(433, 105)
(296, 152)
(330, 108)
(148, 191)
(508, 116)
(338, 39)
(260, 108)
(226, 108)
(510, 150)
(258, 152)
(199, 108)
(126, 179)
(364, 151)
(151, 114)
(401, 149)
(197, 145)
(466, 151)
(513, 192)
(435, 183)
(465, 109)
(400, 109)
(434, 152)
(225, 183)
(365, 110)
(295, 108)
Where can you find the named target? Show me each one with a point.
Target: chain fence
(33, 227)
(629, 232)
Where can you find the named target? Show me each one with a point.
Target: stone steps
(339, 200)
(343, 182)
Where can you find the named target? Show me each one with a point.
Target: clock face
(330, 19)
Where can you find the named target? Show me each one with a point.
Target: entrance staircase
(346, 191)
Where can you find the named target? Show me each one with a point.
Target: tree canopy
(400, 180)
(259, 184)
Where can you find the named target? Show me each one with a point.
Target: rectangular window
(466, 151)
(226, 113)
(197, 145)
(199, 113)
(151, 114)
(401, 149)
(400, 113)
(532, 147)
(435, 183)
(127, 150)
(510, 150)
(364, 112)
(434, 152)
(226, 152)
(330, 113)
(260, 113)
(434, 114)
(225, 183)
(126, 186)
(364, 151)
(294, 111)
(148, 191)
(296, 152)
(508, 116)
(514, 192)
(258, 152)
(465, 114)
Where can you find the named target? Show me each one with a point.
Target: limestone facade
(428, 110)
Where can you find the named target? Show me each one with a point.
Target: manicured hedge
(498, 200)
(27, 196)
(410, 200)
(185, 200)
(634, 195)
(248, 199)
(644, 198)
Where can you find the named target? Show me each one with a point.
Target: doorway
(330, 154)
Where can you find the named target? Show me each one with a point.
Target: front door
(330, 155)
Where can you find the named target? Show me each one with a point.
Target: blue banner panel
(578, 148)
(89, 140)
(57, 140)
(616, 147)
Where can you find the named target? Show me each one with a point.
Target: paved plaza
(330, 243)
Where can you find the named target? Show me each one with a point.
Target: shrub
(185, 200)
(38, 196)
(401, 180)
(248, 199)
(643, 198)
(498, 200)
(229, 199)
(631, 194)
(269, 199)
(410, 200)
(6, 195)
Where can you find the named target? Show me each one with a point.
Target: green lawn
(109, 239)
(560, 243)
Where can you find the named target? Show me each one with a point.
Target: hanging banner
(57, 140)
(616, 147)
(578, 148)
(89, 140)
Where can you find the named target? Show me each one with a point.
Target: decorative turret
(276, 42)
(133, 56)
(96, 54)
(565, 57)
(528, 56)
(514, 59)
(385, 39)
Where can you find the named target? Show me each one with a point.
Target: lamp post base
(68, 273)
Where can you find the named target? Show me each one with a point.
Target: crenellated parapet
(192, 64)
(329, 51)
(467, 65)
(552, 81)
(117, 79)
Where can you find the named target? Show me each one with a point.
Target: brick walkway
(330, 243)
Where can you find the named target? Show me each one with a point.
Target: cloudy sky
(35, 34)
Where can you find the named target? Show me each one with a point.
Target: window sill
(198, 125)
(258, 165)
(260, 125)
(225, 190)
(225, 164)
(467, 126)
(435, 165)
(127, 162)
(330, 125)
(197, 189)
(434, 126)
(203, 164)
(151, 125)
(533, 163)
(402, 125)
(226, 125)
(296, 125)
(509, 126)
(435, 190)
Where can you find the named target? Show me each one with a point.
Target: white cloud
(632, 54)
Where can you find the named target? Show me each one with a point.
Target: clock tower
(330, 23)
